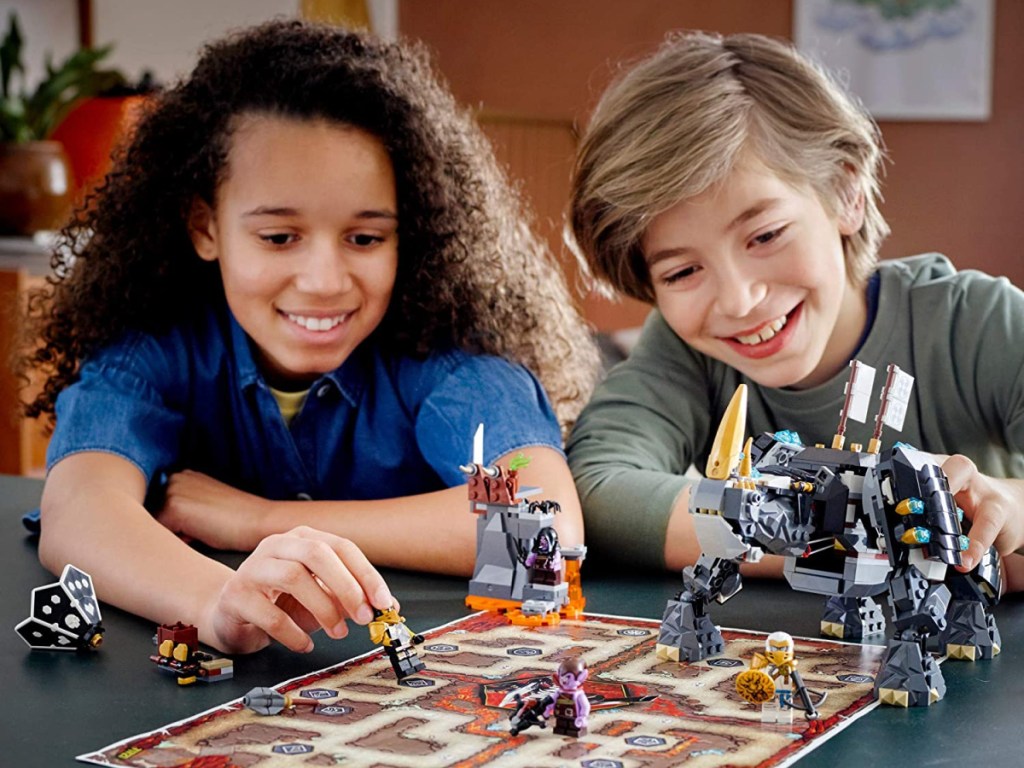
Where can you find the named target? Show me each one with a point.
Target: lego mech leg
(971, 631)
(909, 676)
(852, 618)
(687, 632)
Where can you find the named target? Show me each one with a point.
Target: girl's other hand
(291, 585)
(198, 507)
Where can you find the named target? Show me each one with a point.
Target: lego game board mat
(646, 712)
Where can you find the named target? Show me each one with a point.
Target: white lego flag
(896, 397)
(858, 390)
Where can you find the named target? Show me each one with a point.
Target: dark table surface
(55, 705)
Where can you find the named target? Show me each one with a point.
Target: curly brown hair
(471, 272)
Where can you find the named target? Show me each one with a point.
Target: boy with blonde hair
(731, 183)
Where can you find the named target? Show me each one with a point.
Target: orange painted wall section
(951, 187)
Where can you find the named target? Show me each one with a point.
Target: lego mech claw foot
(851, 525)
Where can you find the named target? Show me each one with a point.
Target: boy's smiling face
(752, 273)
(305, 231)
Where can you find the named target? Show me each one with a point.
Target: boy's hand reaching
(291, 585)
(995, 507)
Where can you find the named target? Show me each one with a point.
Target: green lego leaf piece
(519, 461)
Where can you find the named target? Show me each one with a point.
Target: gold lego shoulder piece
(725, 451)
(379, 633)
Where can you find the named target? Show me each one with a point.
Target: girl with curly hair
(302, 286)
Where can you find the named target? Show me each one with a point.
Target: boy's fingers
(983, 534)
(959, 472)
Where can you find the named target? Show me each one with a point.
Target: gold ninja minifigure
(388, 629)
(772, 681)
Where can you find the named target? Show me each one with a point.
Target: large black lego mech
(851, 525)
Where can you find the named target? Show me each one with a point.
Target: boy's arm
(92, 516)
(433, 532)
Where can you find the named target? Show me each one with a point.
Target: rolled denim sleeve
(503, 396)
(115, 407)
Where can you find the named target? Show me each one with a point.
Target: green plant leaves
(32, 117)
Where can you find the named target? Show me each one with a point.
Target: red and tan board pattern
(645, 712)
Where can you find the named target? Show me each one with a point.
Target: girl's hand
(291, 585)
(995, 507)
(197, 507)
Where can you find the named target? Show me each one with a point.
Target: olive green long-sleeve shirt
(961, 334)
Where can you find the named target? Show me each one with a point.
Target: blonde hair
(675, 125)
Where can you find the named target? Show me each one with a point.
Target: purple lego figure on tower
(544, 564)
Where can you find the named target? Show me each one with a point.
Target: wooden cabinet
(22, 442)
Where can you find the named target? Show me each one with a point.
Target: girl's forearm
(435, 531)
(92, 516)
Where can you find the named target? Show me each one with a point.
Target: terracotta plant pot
(35, 187)
(90, 133)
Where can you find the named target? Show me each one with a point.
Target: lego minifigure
(850, 524)
(544, 563)
(178, 654)
(388, 629)
(65, 615)
(571, 707)
(772, 680)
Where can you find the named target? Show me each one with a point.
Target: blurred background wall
(954, 187)
(533, 70)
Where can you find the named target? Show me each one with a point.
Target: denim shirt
(380, 426)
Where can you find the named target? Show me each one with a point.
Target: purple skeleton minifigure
(571, 706)
(544, 563)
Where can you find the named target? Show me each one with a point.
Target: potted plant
(35, 176)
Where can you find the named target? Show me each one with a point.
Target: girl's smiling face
(752, 273)
(305, 230)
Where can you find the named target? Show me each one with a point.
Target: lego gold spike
(725, 452)
(745, 464)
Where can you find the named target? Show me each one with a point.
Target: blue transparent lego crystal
(921, 535)
(789, 436)
(901, 444)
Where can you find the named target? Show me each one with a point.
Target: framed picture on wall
(905, 60)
